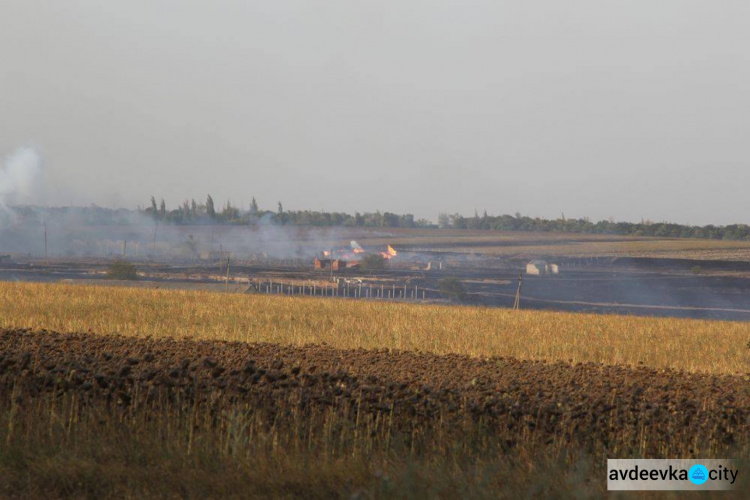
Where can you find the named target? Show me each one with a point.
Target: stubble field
(189, 394)
(717, 347)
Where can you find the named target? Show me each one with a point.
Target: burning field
(243, 402)
(350, 258)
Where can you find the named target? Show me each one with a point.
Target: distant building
(540, 267)
(336, 264)
(536, 267)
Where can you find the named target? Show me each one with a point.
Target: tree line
(518, 222)
(192, 212)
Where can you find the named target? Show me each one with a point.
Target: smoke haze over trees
(190, 212)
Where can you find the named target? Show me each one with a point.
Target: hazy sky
(637, 109)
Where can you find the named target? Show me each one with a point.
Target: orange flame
(391, 253)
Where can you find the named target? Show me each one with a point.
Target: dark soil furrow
(521, 400)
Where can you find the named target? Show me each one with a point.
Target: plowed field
(618, 410)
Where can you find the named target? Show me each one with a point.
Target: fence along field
(690, 345)
(151, 412)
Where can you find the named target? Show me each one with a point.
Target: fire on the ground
(349, 257)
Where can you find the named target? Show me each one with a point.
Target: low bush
(122, 270)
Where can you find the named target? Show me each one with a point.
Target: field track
(615, 407)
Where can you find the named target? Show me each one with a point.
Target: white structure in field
(539, 267)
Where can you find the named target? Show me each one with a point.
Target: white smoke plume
(19, 177)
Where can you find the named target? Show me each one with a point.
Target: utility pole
(517, 302)
(45, 237)
(156, 227)
(227, 282)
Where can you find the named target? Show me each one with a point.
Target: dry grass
(690, 345)
(58, 451)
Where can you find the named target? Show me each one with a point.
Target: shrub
(122, 270)
(373, 262)
(452, 288)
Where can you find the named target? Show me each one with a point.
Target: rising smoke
(20, 177)
(37, 230)
(71, 231)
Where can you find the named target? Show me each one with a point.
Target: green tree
(407, 220)
(230, 213)
(443, 220)
(210, 209)
(485, 224)
(475, 222)
(458, 221)
(281, 216)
